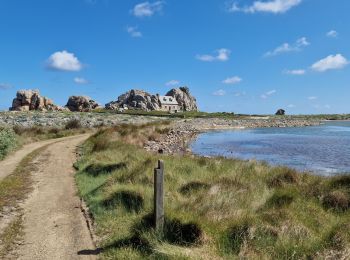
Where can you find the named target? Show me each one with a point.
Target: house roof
(167, 100)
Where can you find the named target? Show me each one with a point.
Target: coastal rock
(139, 99)
(29, 100)
(81, 104)
(183, 96)
(280, 112)
(135, 99)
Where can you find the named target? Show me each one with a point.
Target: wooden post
(159, 196)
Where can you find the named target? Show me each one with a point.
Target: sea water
(323, 149)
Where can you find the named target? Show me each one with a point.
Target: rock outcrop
(135, 99)
(183, 96)
(81, 104)
(139, 99)
(280, 112)
(29, 100)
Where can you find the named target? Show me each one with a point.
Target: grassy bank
(215, 208)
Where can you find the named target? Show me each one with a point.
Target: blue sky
(249, 56)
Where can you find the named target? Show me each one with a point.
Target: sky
(248, 56)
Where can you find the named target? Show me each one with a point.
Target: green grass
(8, 142)
(189, 114)
(215, 208)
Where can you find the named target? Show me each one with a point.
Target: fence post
(159, 196)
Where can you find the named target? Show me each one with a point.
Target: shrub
(288, 176)
(73, 124)
(7, 141)
(337, 200)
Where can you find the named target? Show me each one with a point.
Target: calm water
(322, 149)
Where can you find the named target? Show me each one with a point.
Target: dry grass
(216, 208)
(13, 190)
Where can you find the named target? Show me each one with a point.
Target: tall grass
(215, 208)
(8, 141)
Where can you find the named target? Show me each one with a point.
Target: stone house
(169, 103)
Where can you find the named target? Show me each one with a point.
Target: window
(165, 106)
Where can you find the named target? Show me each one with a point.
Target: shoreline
(182, 132)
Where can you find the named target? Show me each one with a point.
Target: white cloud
(147, 9)
(295, 72)
(65, 61)
(312, 98)
(291, 106)
(268, 94)
(327, 106)
(4, 86)
(331, 62)
(172, 83)
(219, 92)
(332, 34)
(81, 81)
(287, 47)
(271, 6)
(221, 55)
(232, 80)
(133, 31)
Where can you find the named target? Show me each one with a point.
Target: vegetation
(189, 114)
(216, 208)
(8, 141)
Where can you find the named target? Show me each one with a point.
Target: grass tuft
(337, 200)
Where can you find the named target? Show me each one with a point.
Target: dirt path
(8, 165)
(53, 223)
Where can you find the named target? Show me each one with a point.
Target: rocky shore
(182, 132)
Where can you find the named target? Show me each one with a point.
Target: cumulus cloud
(147, 9)
(268, 94)
(332, 34)
(80, 81)
(271, 6)
(64, 61)
(287, 47)
(232, 80)
(297, 72)
(219, 92)
(331, 62)
(133, 31)
(172, 83)
(221, 55)
(312, 98)
(4, 86)
(291, 106)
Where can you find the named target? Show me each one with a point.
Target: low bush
(336, 200)
(73, 124)
(8, 141)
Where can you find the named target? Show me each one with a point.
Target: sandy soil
(10, 163)
(53, 222)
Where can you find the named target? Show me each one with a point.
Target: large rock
(28, 100)
(135, 99)
(183, 96)
(280, 112)
(81, 104)
(139, 99)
